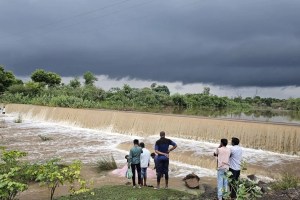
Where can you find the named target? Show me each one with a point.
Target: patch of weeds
(287, 181)
(19, 119)
(106, 163)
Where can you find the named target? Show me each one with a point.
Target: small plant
(286, 182)
(244, 188)
(106, 163)
(44, 138)
(54, 174)
(11, 170)
(19, 119)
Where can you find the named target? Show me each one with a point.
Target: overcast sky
(242, 46)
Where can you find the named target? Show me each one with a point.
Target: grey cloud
(236, 43)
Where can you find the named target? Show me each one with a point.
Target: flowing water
(88, 135)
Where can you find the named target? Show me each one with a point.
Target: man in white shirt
(235, 164)
(145, 161)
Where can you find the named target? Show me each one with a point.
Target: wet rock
(192, 181)
(128, 183)
(252, 177)
(264, 186)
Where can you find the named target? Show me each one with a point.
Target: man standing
(235, 164)
(162, 150)
(222, 154)
(145, 161)
(134, 160)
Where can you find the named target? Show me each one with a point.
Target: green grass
(128, 193)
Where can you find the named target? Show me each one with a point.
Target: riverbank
(106, 178)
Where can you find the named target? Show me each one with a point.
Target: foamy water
(69, 143)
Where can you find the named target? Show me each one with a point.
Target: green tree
(160, 88)
(53, 174)
(53, 79)
(206, 91)
(75, 83)
(89, 78)
(48, 78)
(7, 79)
(11, 170)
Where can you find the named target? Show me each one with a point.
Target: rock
(252, 177)
(264, 186)
(128, 183)
(192, 181)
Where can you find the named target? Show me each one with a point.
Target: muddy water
(70, 143)
(279, 137)
(88, 145)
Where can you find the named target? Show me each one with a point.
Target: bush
(106, 163)
(11, 170)
(286, 182)
(19, 119)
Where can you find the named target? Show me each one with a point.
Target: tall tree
(89, 78)
(7, 79)
(48, 78)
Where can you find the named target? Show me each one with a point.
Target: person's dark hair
(136, 141)
(142, 145)
(235, 141)
(224, 142)
(152, 155)
(162, 134)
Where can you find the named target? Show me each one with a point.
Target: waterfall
(267, 136)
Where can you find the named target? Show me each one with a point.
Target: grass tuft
(286, 182)
(106, 163)
(19, 119)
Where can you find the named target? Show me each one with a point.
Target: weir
(272, 137)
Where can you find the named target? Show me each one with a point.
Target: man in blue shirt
(162, 150)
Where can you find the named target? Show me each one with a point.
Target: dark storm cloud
(238, 43)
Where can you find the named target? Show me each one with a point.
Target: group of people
(228, 160)
(139, 160)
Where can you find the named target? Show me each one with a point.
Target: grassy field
(128, 193)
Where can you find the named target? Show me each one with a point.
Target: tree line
(46, 88)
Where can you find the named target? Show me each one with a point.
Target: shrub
(106, 163)
(54, 174)
(11, 170)
(19, 119)
(286, 182)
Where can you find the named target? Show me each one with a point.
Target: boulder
(192, 181)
